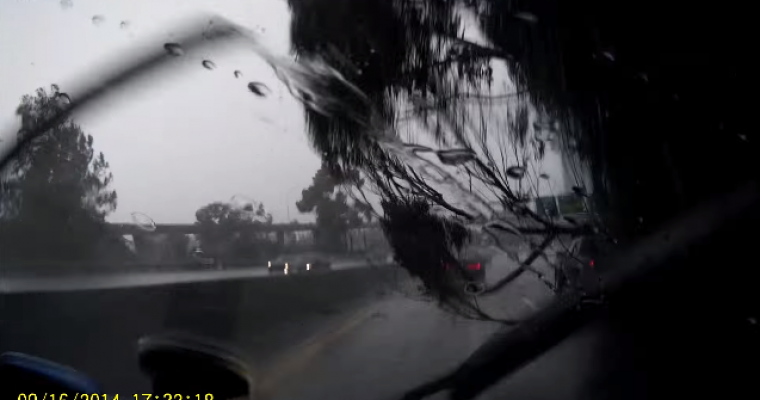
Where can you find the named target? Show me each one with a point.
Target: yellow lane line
(296, 360)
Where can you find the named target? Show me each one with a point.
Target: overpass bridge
(151, 243)
(154, 243)
(186, 229)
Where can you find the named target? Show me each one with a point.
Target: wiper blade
(513, 347)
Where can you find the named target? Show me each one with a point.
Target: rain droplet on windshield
(208, 64)
(609, 55)
(415, 148)
(580, 191)
(63, 99)
(254, 210)
(98, 19)
(543, 126)
(505, 226)
(529, 303)
(238, 74)
(66, 4)
(258, 88)
(545, 136)
(523, 199)
(516, 172)
(544, 176)
(143, 222)
(474, 288)
(174, 49)
(527, 17)
(241, 202)
(124, 24)
(456, 156)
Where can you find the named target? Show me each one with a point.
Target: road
(355, 333)
(405, 343)
(399, 342)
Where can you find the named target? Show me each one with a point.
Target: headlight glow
(308, 267)
(269, 264)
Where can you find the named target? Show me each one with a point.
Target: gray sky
(188, 136)
(180, 139)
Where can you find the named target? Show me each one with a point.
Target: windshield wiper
(513, 347)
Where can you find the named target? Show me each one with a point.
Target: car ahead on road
(202, 259)
(577, 265)
(471, 275)
(471, 270)
(299, 263)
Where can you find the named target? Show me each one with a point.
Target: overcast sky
(182, 138)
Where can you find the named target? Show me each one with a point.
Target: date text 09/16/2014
(98, 396)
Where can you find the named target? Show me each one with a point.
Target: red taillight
(591, 263)
(474, 267)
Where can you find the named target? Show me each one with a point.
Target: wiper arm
(139, 64)
(512, 347)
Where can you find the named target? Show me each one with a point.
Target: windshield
(323, 187)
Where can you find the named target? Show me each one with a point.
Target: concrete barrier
(96, 331)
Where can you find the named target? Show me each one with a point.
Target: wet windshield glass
(301, 182)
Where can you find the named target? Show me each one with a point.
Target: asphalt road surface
(400, 341)
(404, 343)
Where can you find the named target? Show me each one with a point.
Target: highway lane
(401, 342)
(644, 349)
(405, 343)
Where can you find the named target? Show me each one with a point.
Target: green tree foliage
(225, 231)
(392, 49)
(335, 214)
(423, 243)
(55, 194)
(417, 74)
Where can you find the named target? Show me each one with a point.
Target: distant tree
(55, 194)
(179, 247)
(221, 234)
(221, 215)
(335, 213)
